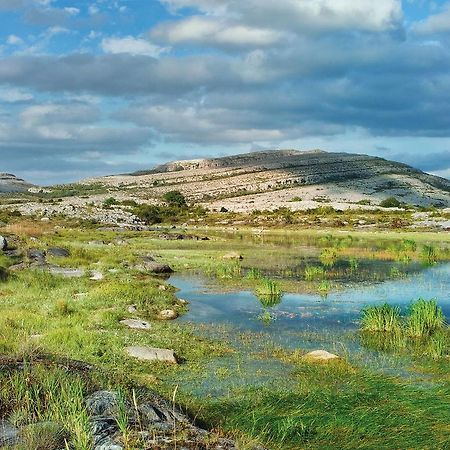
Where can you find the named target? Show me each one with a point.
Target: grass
(384, 318)
(425, 318)
(269, 292)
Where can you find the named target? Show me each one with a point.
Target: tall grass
(429, 254)
(384, 318)
(314, 273)
(425, 318)
(269, 292)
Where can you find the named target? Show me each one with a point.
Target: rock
(3, 243)
(102, 403)
(132, 309)
(320, 355)
(152, 354)
(9, 435)
(155, 267)
(67, 272)
(96, 275)
(35, 254)
(136, 324)
(162, 287)
(167, 314)
(233, 255)
(58, 252)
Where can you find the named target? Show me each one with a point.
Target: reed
(425, 318)
(383, 318)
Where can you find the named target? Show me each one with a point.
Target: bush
(175, 198)
(390, 202)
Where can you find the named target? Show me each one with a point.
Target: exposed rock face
(3, 243)
(10, 183)
(270, 179)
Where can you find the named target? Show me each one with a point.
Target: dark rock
(58, 252)
(3, 243)
(155, 267)
(35, 254)
(102, 403)
(9, 435)
(181, 237)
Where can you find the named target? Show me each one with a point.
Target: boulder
(9, 435)
(3, 243)
(233, 255)
(155, 267)
(102, 403)
(320, 355)
(167, 314)
(136, 324)
(58, 252)
(152, 354)
(36, 255)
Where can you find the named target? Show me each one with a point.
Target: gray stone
(3, 243)
(155, 267)
(137, 324)
(102, 403)
(96, 275)
(9, 435)
(152, 354)
(58, 252)
(67, 272)
(36, 254)
(320, 355)
(132, 309)
(167, 314)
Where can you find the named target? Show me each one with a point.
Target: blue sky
(110, 86)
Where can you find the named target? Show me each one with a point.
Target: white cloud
(13, 95)
(303, 15)
(72, 11)
(14, 40)
(93, 9)
(131, 45)
(436, 23)
(210, 30)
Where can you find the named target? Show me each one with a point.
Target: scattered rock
(152, 354)
(320, 355)
(181, 237)
(233, 255)
(9, 435)
(155, 267)
(67, 272)
(136, 324)
(58, 252)
(3, 243)
(132, 309)
(36, 255)
(96, 275)
(167, 314)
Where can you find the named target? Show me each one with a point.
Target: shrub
(390, 202)
(175, 198)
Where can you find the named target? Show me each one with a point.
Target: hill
(297, 179)
(10, 183)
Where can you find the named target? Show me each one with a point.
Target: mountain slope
(270, 179)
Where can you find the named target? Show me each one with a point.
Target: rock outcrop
(10, 183)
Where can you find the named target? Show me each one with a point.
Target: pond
(299, 321)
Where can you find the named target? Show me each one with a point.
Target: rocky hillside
(10, 183)
(297, 179)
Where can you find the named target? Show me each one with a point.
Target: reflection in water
(308, 321)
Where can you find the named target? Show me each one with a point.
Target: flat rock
(67, 272)
(152, 354)
(167, 314)
(233, 255)
(136, 324)
(36, 254)
(320, 355)
(58, 252)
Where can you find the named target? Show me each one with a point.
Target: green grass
(269, 292)
(425, 318)
(384, 318)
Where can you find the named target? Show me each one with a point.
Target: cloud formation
(213, 76)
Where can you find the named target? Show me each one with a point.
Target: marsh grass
(425, 318)
(269, 292)
(383, 318)
(314, 273)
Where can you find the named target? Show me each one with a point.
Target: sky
(94, 87)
